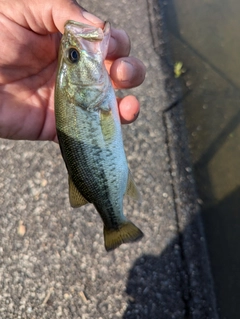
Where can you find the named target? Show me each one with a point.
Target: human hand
(30, 37)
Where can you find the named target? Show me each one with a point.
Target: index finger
(119, 45)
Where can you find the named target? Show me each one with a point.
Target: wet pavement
(53, 263)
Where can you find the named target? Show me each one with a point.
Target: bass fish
(89, 131)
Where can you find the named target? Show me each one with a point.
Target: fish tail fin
(126, 233)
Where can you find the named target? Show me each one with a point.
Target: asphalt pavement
(52, 258)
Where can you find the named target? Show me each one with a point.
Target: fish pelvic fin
(127, 233)
(75, 197)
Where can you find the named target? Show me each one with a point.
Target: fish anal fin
(75, 197)
(132, 190)
(126, 233)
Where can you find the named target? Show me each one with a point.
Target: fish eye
(73, 55)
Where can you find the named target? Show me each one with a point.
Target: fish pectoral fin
(126, 233)
(107, 125)
(132, 190)
(105, 107)
(75, 197)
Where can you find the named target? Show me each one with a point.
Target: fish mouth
(92, 39)
(106, 28)
(88, 32)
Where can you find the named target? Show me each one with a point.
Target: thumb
(64, 10)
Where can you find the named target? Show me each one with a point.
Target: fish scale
(89, 131)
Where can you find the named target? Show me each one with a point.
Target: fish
(89, 131)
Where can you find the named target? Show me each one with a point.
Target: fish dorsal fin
(132, 190)
(75, 197)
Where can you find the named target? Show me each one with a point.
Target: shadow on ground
(167, 286)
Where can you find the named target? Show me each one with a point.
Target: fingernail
(92, 18)
(125, 71)
(136, 115)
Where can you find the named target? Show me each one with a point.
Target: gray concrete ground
(53, 263)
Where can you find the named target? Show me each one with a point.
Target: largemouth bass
(89, 131)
